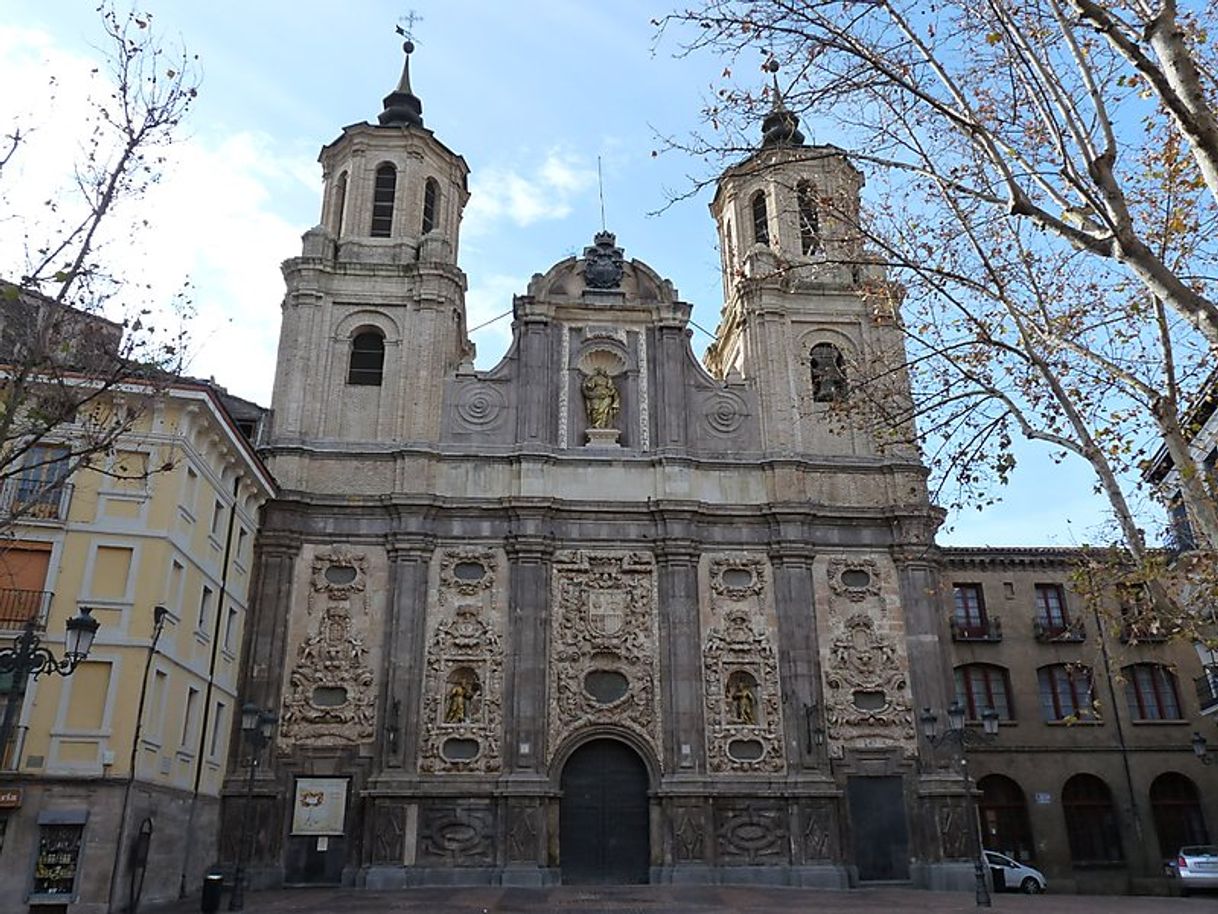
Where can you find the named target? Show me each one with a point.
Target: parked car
(1197, 867)
(1014, 876)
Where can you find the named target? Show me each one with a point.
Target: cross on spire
(410, 19)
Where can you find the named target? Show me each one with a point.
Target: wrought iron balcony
(1207, 690)
(17, 607)
(24, 501)
(1141, 633)
(1072, 631)
(989, 629)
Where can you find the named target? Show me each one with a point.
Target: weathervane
(410, 19)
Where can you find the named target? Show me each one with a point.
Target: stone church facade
(601, 612)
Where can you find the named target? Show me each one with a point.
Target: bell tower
(374, 316)
(799, 321)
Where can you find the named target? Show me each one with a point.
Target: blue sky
(530, 94)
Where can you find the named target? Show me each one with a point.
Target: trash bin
(213, 888)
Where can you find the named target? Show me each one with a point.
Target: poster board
(319, 806)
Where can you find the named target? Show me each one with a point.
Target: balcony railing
(23, 500)
(19, 606)
(1141, 633)
(1072, 631)
(989, 629)
(1207, 689)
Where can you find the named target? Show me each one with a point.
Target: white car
(1015, 876)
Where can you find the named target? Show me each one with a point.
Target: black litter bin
(213, 888)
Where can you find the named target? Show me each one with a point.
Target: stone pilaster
(681, 650)
(405, 640)
(266, 629)
(528, 626)
(798, 656)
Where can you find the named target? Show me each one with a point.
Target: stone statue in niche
(602, 403)
(461, 694)
(743, 698)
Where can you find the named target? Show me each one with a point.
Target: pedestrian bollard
(213, 888)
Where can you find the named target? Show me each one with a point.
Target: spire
(402, 106)
(780, 127)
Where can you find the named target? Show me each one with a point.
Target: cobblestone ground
(680, 900)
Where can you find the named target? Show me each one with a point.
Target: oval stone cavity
(468, 571)
(329, 696)
(856, 577)
(606, 686)
(745, 750)
(340, 574)
(459, 750)
(738, 577)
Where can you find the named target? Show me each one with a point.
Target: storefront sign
(320, 807)
(10, 797)
(1044, 799)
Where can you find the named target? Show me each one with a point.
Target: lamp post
(1199, 749)
(958, 733)
(28, 658)
(257, 725)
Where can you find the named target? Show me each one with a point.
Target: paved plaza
(680, 900)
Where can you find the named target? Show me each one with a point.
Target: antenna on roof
(600, 182)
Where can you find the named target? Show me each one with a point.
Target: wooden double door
(604, 816)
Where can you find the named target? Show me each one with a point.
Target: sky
(532, 94)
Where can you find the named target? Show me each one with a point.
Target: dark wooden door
(604, 821)
(311, 861)
(877, 820)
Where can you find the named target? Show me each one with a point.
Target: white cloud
(545, 191)
(488, 299)
(211, 217)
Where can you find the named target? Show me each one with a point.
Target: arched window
(367, 366)
(1065, 692)
(809, 219)
(828, 373)
(1091, 821)
(431, 200)
(984, 685)
(761, 219)
(1176, 806)
(1004, 818)
(1150, 689)
(340, 202)
(382, 200)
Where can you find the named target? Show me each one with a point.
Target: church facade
(600, 613)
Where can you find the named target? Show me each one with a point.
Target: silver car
(1197, 867)
(1013, 875)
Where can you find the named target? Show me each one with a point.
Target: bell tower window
(382, 200)
(809, 219)
(761, 219)
(828, 373)
(431, 199)
(367, 365)
(340, 202)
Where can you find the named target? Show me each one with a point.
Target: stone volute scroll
(462, 715)
(331, 689)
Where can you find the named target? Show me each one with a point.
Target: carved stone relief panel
(751, 832)
(688, 821)
(819, 827)
(523, 832)
(865, 665)
(388, 832)
(462, 713)
(954, 837)
(459, 833)
(331, 690)
(740, 666)
(603, 645)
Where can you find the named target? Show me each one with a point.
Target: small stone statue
(459, 697)
(602, 402)
(743, 702)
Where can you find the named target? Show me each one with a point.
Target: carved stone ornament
(688, 833)
(388, 832)
(456, 834)
(462, 714)
(752, 833)
(603, 262)
(331, 689)
(954, 838)
(854, 578)
(605, 632)
(867, 693)
(820, 831)
(743, 706)
(522, 831)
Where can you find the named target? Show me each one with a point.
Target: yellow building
(99, 799)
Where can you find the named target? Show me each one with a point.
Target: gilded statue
(601, 399)
(456, 711)
(743, 701)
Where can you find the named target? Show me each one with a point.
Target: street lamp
(28, 658)
(958, 733)
(1199, 749)
(257, 726)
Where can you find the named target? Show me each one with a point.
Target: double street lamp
(28, 658)
(961, 735)
(257, 726)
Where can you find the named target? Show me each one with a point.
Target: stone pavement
(669, 899)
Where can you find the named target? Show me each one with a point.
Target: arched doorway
(1004, 818)
(604, 817)
(1177, 812)
(1091, 821)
